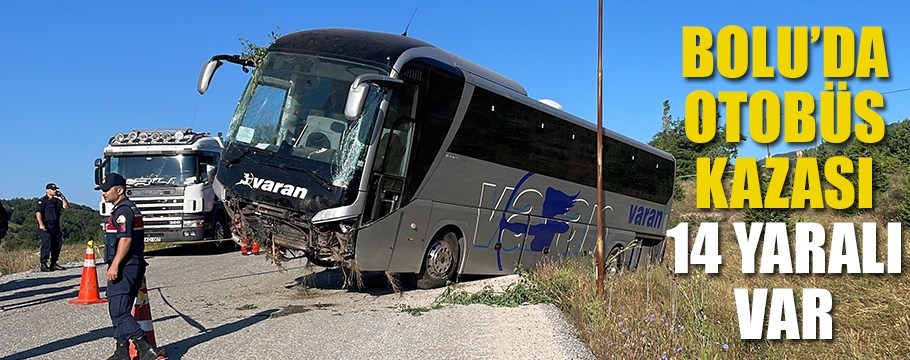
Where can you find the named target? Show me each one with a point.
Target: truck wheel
(219, 231)
(440, 262)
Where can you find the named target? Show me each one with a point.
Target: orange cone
(255, 248)
(142, 312)
(88, 289)
(243, 246)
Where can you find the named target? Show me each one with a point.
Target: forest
(79, 224)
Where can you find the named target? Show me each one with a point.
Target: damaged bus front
(292, 169)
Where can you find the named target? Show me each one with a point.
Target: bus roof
(384, 50)
(376, 48)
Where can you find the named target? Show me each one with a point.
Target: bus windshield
(175, 170)
(294, 106)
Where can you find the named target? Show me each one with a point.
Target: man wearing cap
(48, 211)
(124, 251)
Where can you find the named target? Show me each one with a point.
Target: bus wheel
(440, 263)
(614, 260)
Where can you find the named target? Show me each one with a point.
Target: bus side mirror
(205, 77)
(359, 89)
(208, 70)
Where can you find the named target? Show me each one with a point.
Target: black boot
(122, 352)
(146, 350)
(45, 268)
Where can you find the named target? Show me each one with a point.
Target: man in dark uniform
(4, 226)
(124, 250)
(48, 211)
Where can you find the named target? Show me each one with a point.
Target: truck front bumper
(181, 235)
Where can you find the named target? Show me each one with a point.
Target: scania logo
(272, 186)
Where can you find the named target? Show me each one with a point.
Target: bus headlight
(193, 223)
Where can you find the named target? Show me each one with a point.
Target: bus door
(393, 151)
(388, 175)
(387, 179)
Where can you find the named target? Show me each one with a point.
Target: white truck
(170, 175)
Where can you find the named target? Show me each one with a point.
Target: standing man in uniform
(48, 211)
(4, 226)
(124, 252)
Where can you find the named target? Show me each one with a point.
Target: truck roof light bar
(149, 137)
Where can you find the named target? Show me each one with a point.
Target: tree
(255, 52)
(897, 140)
(767, 215)
(79, 224)
(880, 172)
(672, 139)
(903, 210)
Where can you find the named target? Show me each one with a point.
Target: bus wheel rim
(439, 260)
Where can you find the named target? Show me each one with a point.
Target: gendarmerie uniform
(125, 221)
(51, 239)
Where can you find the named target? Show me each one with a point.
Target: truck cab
(170, 176)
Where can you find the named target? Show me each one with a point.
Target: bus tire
(440, 263)
(614, 260)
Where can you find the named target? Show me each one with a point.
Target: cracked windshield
(177, 170)
(294, 106)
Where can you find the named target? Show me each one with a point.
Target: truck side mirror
(98, 176)
(98, 169)
(359, 89)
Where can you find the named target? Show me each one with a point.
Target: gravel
(225, 306)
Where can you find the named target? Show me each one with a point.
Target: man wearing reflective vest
(124, 249)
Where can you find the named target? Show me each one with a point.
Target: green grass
(414, 311)
(653, 312)
(515, 294)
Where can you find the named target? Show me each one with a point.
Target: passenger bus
(385, 153)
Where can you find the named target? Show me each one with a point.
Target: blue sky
(77, 74)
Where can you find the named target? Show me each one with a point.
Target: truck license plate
(152, 239)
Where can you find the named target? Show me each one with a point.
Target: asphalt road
(211, 305)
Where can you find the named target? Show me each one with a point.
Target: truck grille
(161, 212)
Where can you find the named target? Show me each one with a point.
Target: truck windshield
(293, 106)
(175, 170)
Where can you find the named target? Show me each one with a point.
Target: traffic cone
(255, 248)
(243, 246)
(88, 289)
(142, 312)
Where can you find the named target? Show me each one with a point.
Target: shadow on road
(36, 281)
(30, 293)
(188, 319)
(209, 248)
(69, 295)
(176, 350)
(374, 283)
(62, 344)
